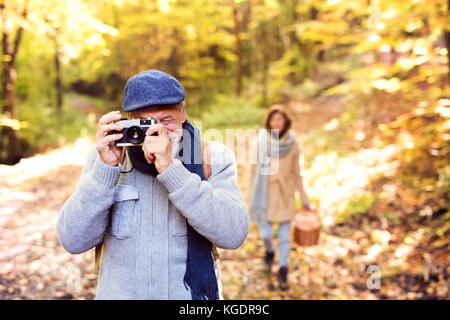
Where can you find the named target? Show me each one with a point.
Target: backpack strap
(206, 161)
(98, 256)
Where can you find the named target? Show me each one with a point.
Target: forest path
(34, 265)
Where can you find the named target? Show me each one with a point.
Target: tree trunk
(58, 81)
(252, 49)
(293, 40)
(237, 14)
(246, 43)
(265, 63)
(447, 42)
(172, 62)
(10, 140)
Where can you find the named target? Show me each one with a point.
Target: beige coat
(283, 184)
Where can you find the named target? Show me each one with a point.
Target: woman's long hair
(287, 119)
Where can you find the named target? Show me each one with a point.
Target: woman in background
(276, 177)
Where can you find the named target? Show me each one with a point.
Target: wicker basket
(306, 227)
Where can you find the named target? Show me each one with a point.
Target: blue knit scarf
(200, 275)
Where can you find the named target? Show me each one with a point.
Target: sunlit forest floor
(34, 266)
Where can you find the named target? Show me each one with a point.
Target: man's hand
(158, 149)
(108, 152)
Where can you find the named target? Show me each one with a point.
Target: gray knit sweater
(145, 236)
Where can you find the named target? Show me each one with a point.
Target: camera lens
(135, 135)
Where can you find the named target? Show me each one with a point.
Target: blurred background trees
(367, 82)
(236, 53)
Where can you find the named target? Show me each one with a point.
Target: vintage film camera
(133, 131)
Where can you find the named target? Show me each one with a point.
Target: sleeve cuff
(105, 174)
(174, 177)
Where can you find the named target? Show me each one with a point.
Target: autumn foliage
(367, 82)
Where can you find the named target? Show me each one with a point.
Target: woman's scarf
(200, 275)
(268, 147)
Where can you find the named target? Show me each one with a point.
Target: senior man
(155, 214)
